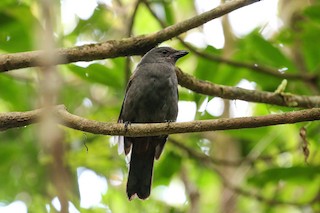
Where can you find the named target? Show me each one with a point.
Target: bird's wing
(120, 120)
(124, 143)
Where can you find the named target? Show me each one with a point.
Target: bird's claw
(126, 124)
(169, 122)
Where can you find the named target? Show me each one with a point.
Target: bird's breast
(153, 95)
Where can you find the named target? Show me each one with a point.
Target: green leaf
(206, 69)
(296, 174)
(169, 13)
(313, 12)
(95, 28)
(20, 169)
(164, 172)
(145, 22)
(17, 95)
(15, 34)
(310, 48)
(264, 52)
(98, 73)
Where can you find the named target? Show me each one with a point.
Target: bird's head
(163, 54)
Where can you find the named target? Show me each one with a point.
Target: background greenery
(271, 173)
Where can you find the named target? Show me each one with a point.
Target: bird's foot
(169, 122)
(126, 124)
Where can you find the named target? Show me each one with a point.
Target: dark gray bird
(151, 97)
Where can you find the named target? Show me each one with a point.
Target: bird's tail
(141, 167)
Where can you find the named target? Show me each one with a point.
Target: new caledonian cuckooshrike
(151, 97)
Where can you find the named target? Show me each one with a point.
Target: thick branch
(115, 48)
(227, 92)
(19, 119)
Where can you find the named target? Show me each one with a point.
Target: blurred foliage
(277, 170)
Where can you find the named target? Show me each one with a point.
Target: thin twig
(131, 21)
(254, 67)
(129, 34)
(203, 159)
(191, 190)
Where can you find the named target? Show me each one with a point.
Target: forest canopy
(247, 134)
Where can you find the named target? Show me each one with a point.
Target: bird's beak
(179, 54)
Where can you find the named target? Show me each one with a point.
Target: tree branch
(20, 119)
(227, 92)
(115, 48)
(253, 67)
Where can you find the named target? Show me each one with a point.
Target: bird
(151, 97)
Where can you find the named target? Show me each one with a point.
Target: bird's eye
(164, 52)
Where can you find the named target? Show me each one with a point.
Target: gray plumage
(151, 97)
